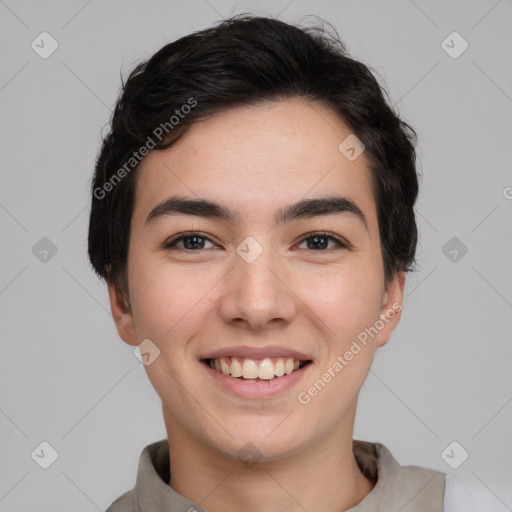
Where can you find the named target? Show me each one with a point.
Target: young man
(252, 214)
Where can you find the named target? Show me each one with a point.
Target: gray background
(66, 377)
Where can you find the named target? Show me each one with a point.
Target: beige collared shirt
(404, 488)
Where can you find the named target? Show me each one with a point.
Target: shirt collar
(152, 492)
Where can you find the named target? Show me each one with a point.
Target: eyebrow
(305, 208)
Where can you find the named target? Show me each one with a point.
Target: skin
(187, 302)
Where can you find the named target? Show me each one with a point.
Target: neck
(325, 476)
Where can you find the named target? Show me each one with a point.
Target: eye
(195, 241)
(320, 240)
(191, 241)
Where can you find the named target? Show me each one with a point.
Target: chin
(267, 442)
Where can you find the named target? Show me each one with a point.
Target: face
(255, 285)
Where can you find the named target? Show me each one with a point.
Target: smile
(267, 368)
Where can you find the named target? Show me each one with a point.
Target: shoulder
(125, 503)
(461, 496)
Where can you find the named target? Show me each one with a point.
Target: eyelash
(325, 234)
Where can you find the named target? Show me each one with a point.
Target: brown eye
(319, 241)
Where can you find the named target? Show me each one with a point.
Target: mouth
(266, 369)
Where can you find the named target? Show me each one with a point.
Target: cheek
(346, 301)
(348, 304)
(167, 300)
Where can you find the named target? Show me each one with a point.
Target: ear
(122, 314)
(391, 310)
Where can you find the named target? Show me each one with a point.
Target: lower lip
(252, 388)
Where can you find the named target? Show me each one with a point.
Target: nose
(258, 295)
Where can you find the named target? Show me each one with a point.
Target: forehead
(258, 156)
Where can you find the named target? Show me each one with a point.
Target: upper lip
(256, 353)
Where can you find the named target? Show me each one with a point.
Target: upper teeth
(253, 369)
